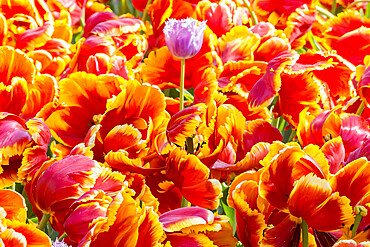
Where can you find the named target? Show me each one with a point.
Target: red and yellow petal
(34, 38)
(264, 91)
(250, 222)
(334, 152)
(14, 63)
(312, 199)
(32, 236)
(238, 44)
(14, 205)
(296, 93)
(352, 180)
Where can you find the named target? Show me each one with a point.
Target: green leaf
(230, 212)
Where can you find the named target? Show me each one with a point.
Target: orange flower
(265, 89)
(191, 176)
(315, 79)
(250, 208)
(273, 41)
(277, 12)
(13, 228)
(185, 123)
(127, 131)
(227, 143)
(303, 191)
(23, 93)
(82, 98)
(15, 233)
(348, 33)
(352, 129)
(125, 224)
(14, 205)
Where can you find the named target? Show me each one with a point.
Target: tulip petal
(178, 219)
(263, 92)
(352, 180)
(14, 205)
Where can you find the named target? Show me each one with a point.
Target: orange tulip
(84, 97)
(13, 228)
(125, 224)
(191, 176)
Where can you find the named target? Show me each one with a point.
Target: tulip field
(184, 123)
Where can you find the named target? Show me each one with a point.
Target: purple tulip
(59, 244)
(184, 37)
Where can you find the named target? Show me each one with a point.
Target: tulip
(184, 37)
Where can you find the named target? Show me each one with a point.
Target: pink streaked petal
(34, 38)
(353, 131)
(118, 27)
(13, 136)
(96, 18)
(362, 151)
(265, 89)
(180, 218)
(334, 152)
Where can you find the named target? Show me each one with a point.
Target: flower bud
(184, 37)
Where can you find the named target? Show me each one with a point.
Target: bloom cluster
(270, 148)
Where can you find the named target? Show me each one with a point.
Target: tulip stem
(324, 11)
(62, 236)
(313, 42)
(356, 2)
(182, 81)
(184, 202)
(304, 233)
(360, 109)
(44, 221)
(334, 7)
(253, 15)
(145, 15)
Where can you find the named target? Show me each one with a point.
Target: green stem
(62, 237)
(356, 2)
(292, 135)
(360, 109)
(325, 12)
(82, 19)
(313, 42)
(304, 233)
(44, 221)
(184, 202)
(145, 15)
(334, 7)
(182, 81)
(367, 13)
(356, 224)
(253, 15)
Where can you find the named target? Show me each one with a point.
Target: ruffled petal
(14, 205)
(264, 91)
(353, 180)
